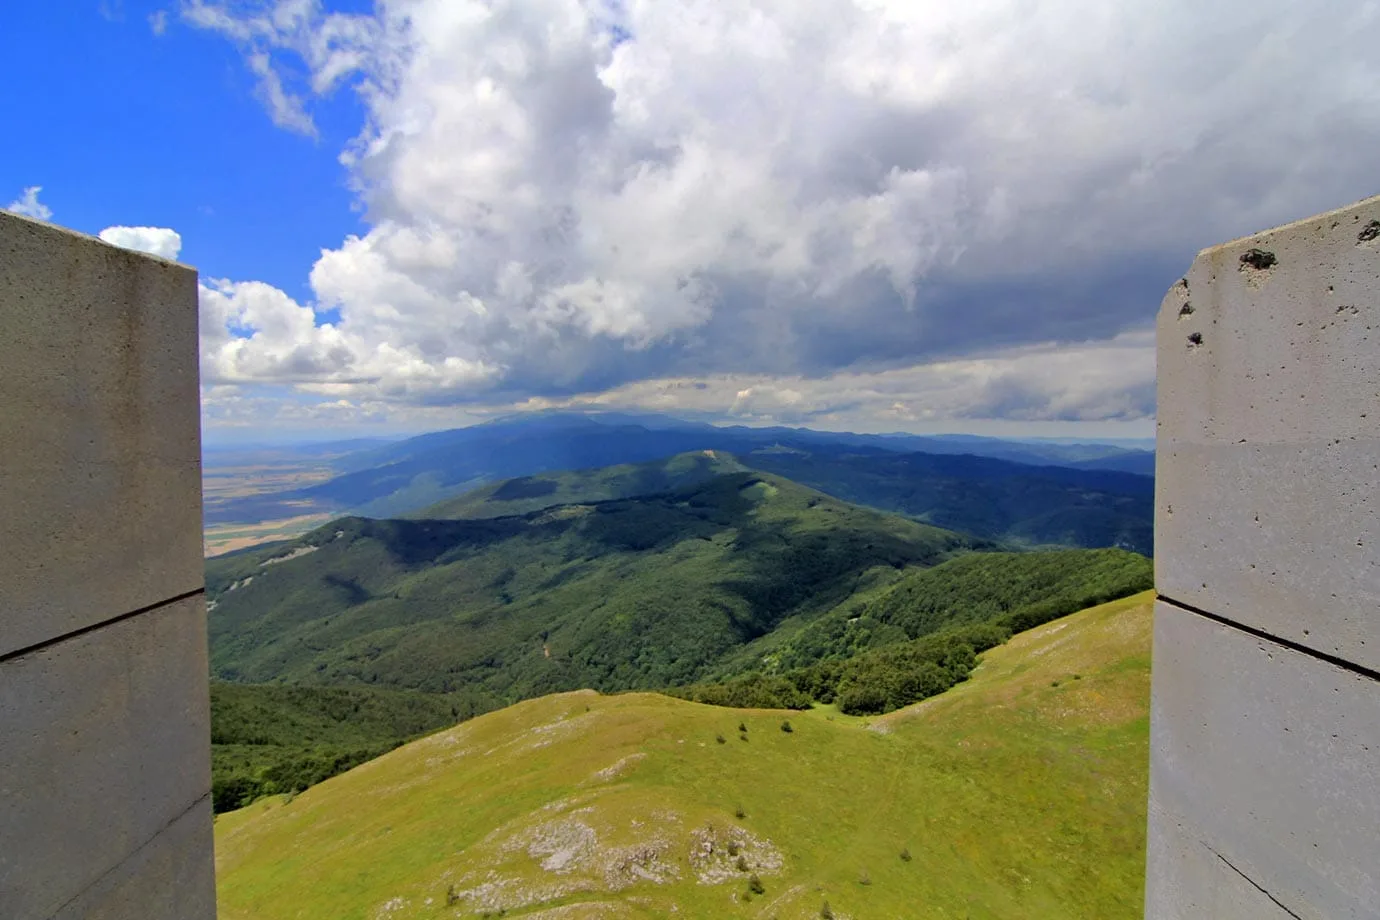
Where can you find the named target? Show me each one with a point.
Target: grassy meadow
(1018, 794)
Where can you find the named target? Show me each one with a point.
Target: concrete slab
(1268, 485)
(105, 745)
(172, 877)
(1192, 882)
(100, 513)
(1264, 759)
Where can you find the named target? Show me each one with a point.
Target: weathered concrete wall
(1265, 721)
(104, 714)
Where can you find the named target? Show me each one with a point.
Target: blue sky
(128, 127)
(904, 215)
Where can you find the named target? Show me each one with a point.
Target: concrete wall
(104, 715)
(1265, 720)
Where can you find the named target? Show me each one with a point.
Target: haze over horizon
(851, 215)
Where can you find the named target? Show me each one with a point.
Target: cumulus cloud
(1106, 381)
(253, 332)
(158, 22)
(571, 196)
(28, 204)
(158, 241)
(1106, 387)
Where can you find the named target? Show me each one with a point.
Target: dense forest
(278, 738)
(923, 635)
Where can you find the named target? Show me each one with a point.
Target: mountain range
(400, 478)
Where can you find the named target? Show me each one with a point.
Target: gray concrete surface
(1196, 882)
(1265, 759)
(101, 419)
(104, 709)
(1265, 713)
(107, 741)
(1268, 484)
(170, 878)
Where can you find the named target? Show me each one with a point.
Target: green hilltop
(1020, 793)
(622, 594)
(1016, 504)
(526, 494)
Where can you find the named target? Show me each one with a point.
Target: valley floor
(1018, 794)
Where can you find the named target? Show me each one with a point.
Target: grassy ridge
(1020, 793)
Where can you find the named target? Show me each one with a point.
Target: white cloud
(158, 241)
(28, 204)
(253, 332)
(1104, 388)
(569, 196)
(287, 110)
(158, 22)
(1102, 381)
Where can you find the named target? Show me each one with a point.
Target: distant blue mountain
(1047, 493)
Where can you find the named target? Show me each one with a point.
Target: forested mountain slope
(991, 499)
(638, 593)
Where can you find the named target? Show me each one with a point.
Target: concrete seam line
(1253, 883)
(1357, 669)
(120, 618)
(130, 855)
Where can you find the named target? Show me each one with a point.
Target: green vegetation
(268, 739)
(615, 595)
(1014, 503)
(1006, 797)
(923, 635)
(783, 597)
(573, 487)
(777, 596)
(1014, 591)
(988, 495)
(993, 499)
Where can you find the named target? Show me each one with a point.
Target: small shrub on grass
(721, 739)
(742, 737)
(864, 878)
(786, 727)
(826, 912)
(755, 884)
(1054, 683)
(742, 727)
(733, 848)
(739, 813)
(742, 864)
(452, 896)
(905, 854)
